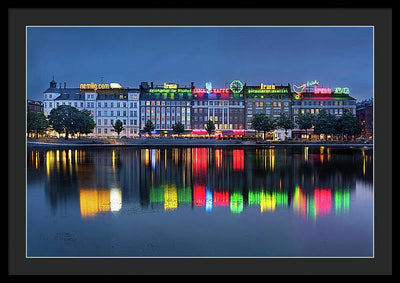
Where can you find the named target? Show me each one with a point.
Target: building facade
(365, 115)
(220, 105)
(312, 98)
(106, 102)
(165, 105)
(33, 106)
(231, 108)
(270, 100)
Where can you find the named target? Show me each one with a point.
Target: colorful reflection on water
(188, 172)
(309, 183)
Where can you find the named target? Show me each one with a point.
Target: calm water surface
(273, 201)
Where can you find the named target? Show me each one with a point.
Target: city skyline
(130, 55)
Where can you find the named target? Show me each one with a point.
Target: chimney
(60, 85)
(65, 85)
(192, 85)
(151, 84)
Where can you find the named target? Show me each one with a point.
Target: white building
(106, 102)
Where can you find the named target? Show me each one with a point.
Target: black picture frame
(380, 18)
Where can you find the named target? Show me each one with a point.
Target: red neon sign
(214, 90)
(322, 90)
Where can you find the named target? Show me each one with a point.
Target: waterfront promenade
(185, 142)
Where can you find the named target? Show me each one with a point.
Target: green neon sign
(236, 86)
(283, 90)
(311, 83)
(163, 90)
(342, 90)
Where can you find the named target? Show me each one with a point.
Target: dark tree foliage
(36, 123)
(148, 127)
(118, 127)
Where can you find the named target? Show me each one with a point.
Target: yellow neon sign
(169, 85)
(263, 86)
(93, 86)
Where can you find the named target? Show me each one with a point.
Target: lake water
(200, 202)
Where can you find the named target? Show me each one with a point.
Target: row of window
(325, 102)
(106, 104)
(267, 111)
(117, 113)
(217, 103)
(161, 119)
(163, 102)
(216, 110)
(107, 130)
(105, 122)
(317, 110)
(216, 118)
(268, 104)
(219, 126)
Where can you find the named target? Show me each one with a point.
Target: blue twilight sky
(334, 56)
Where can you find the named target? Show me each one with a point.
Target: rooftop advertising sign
(271, 89)
(93, 86)
(170, 86)
(313, 88)
(169, 90)
(342, 90)
(213, 90)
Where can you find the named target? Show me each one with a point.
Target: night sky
(334, 56)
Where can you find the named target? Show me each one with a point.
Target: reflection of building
(365, 115)
(310, 181)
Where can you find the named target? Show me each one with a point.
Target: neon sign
(208, 87)
(162, 90)
(170, 85)
(312, 83)
(263, 86)
(115, 85)
(266, 89)
(340, 90)
(236, 86)
(298, 90)
(282, 90)
(214, 90)
(94, 86)
(322, 90)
